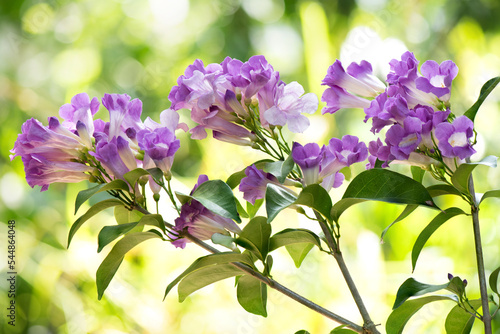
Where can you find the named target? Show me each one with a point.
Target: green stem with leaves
(368, 324)
(272, 283)
(480, 259)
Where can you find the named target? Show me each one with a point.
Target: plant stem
(480, 260)
(273, 284)
(284, 290)
(368, 325)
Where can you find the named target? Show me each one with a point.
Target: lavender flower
(49, 154)
(345, 88)
(437, 78)
(308, 157)
(123, 113)
(200, 222)
(454, 138)
(253, 185)
(160, 145)
(78, 115)
(290, 103)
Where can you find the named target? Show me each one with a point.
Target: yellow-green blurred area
(51, 50)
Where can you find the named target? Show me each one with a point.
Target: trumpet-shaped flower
(454, 138)
(253, 185)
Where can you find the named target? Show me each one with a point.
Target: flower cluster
(413, 106)
(82, 148)
(236, 100)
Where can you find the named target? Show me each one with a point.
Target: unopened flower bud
(156, 197)
(143, 180)
(450, 276)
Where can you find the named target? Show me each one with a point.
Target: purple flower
(289, 104)
(378, 151)
(337, 98)
(80, 110)
(404, 139)
(437, 78)
(49, 154)
(123, 113)
(200, 222)
(42, 172)
(160, 145)
(337, 155)
(454, 138)
(250, 76)
(115, 156)
(358, 79)
(253, 186)
(308, 157)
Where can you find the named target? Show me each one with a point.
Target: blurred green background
(51, 50)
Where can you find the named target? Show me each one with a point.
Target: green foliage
(341, 330)
(217, 197)
(485, 91)
(252, 295)
(494, 280)
(111, 263)
(110, 233)
(215, 264)
(299, 251)
(412, 288)
(92, 211)
(277, 199)
(124, 215)
(399, 317)
(406, 212)
(317, 198)
(255, 237)
(280, 169)
(439, 220)
(382, 185)
(253, 208)
(84, 195)
(460, 178)
(460, 321)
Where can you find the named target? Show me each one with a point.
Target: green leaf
(124, 215)
(253, 208)
(205, 276)
(382, 185)
(443, 189)
(412, 288)
(255, 237)
(400, 316)
(154, 220)
(112, 262)
(406, 212)
(460, 178)
(134, 175)
(317, 198)
(157, 174)
(293, 236)
(252, 295)
(417, 173)
(494, 280)
(460, 321)
(302, 331)
(212, 260)
(240, 209)
(277, 199)
(223, 240)
(93, 210)
(485, 91)
(490, 194)
(342, 330)
(182, 197)
(110, 233)
(84, 195)
(217, 197)
(298, 252)
(280, 169)
(426, 233)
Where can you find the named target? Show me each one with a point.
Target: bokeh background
(51, 50)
